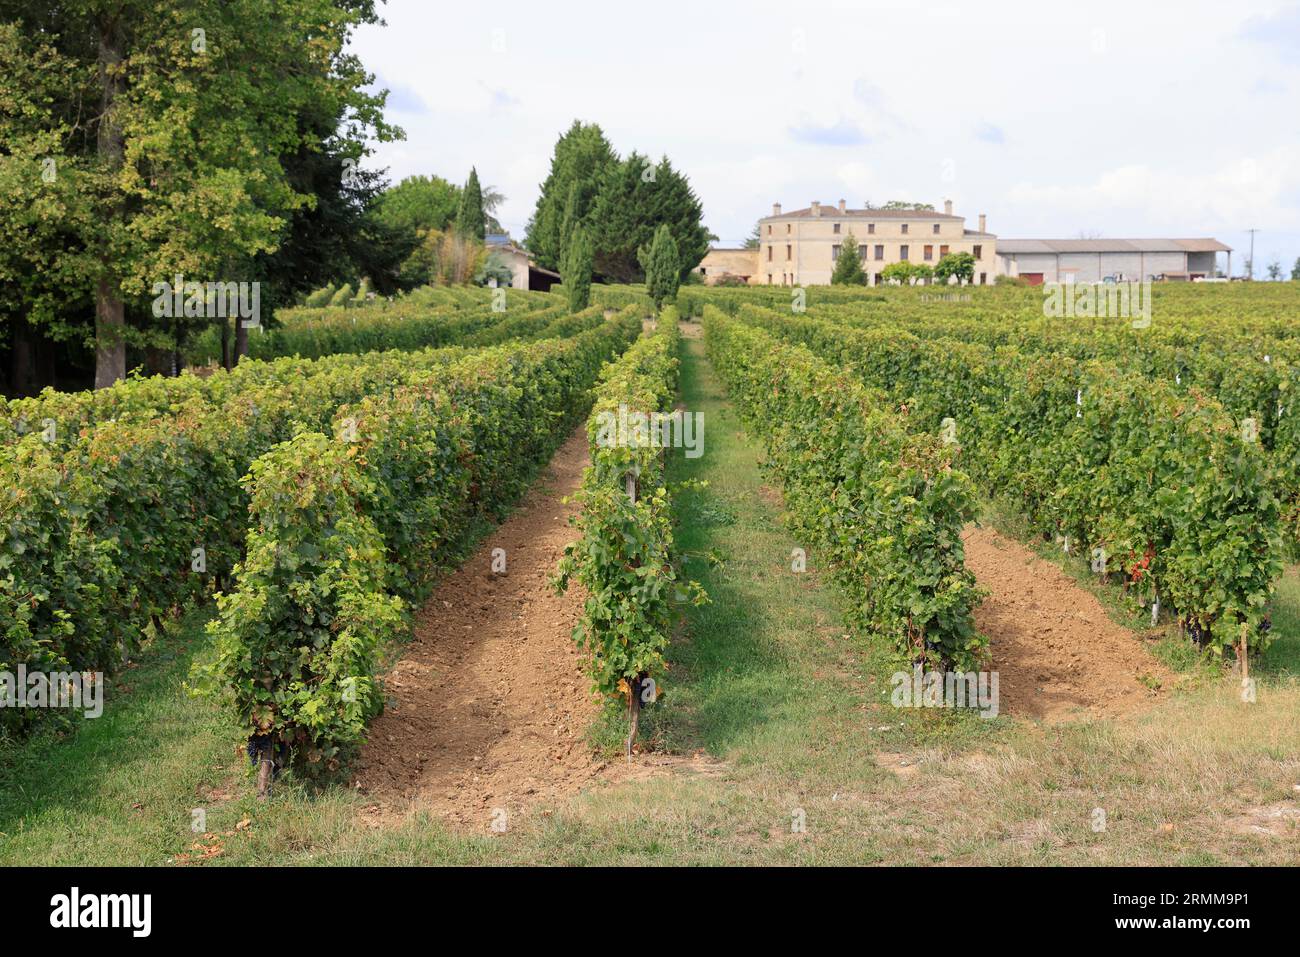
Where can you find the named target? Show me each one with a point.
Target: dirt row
(489, 707)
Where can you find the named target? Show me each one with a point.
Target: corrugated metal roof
(1023, 246)
(1205, 245)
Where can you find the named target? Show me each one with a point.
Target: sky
(1056, 119)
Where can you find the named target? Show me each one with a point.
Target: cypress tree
(848, 268)
(469, 219)
(662, 266)
(577, 271)
(582, 156)
(571, 220)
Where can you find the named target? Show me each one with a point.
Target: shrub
(349, 531)
(577, 271)
(625, 558)
(885, 506)
(297, 641)
(321, 297)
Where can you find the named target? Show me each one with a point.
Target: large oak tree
(148, 139)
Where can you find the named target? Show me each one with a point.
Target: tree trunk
(225, 345)
(46, 365)
(241, 340)
(110, 344)
(110, 323)
(20, 369)
(265, 771)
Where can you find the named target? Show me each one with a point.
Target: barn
(1096, 260)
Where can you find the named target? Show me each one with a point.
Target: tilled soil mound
(489, 705)
(1057, 653)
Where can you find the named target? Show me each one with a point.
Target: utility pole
(1250, 264)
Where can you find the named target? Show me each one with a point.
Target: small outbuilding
(525, 274)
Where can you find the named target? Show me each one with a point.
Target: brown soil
(901, 765)
(491, 701)
(1057, 653)
(1275, 820)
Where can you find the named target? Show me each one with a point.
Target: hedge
(100, 531)
(1163, 481)
(625, 559)
(883, 503)
(349, 529)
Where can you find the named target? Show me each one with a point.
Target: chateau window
(769, 253)
(835, 252)
(862, 251)
(929, 252)
(871, 228)
(880, 252)
(936, 229)
(837, 228)
(789, 252)
(902, 252)
(904, 229)
(979, 252)
(943, 251)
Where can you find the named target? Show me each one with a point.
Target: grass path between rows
(785, 750)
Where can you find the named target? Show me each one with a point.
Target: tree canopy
(621, 203)
(582, 156)
(146, 141)
(906, 272)
(418, 203)
(960, 265)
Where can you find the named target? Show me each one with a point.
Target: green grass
(120, 788)
(787, 712)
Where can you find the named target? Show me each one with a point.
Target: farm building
(526, 273)
(1095, 260)
(731, 264)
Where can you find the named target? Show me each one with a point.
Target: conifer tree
(571, 221)
(662, 266)
(848, 268)
(469, 219)
(582, 156)
(577, 271)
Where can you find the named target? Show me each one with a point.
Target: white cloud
(1145, 136)
(1249, 191)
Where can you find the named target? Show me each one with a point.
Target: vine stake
(265, 770)
(634, 716)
